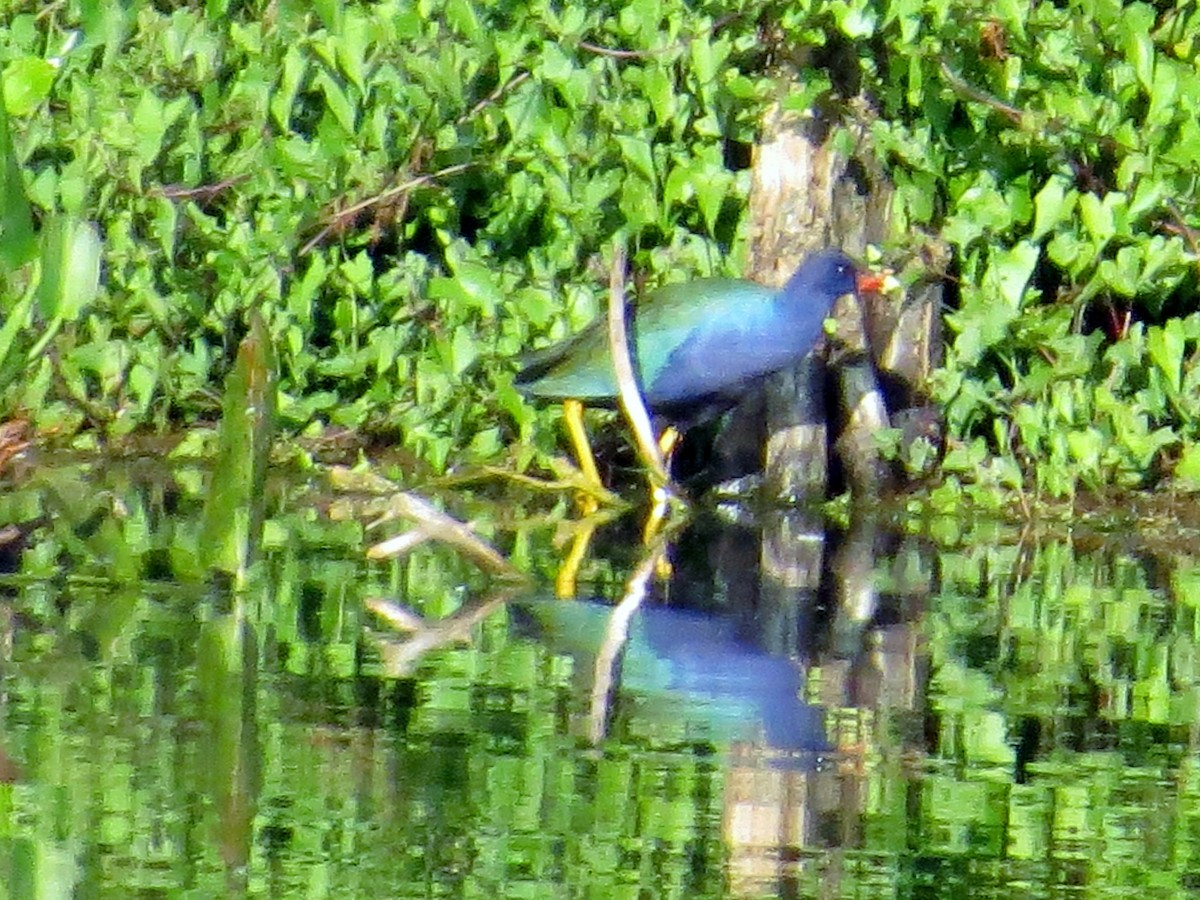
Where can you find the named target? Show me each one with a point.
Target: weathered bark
(906, 338)
(863, 413)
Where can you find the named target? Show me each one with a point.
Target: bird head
(828, 275)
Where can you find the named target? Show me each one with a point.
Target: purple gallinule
(697, 346)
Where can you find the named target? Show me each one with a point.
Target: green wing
(580, 366)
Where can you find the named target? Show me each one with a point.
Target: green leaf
(1148, 196)
(150, 124)
(26, 84)
(105, 24)
(855, 19)
(1121, 273)
(916, 80)
(1100, 217)
(526, 113)
(1187, 469)
(17, 243)
(235, 502)
(1164, 94)
(17, 320)
(1053, 205)
(978, 209)
(556, 66)
(1070, 252)
(478, 286)
(637, 153)
(1165, 346)
(351, 48)
(1136, 23)
(291, 76)
(70, 268)
(981, 324)
(1012, 14)
(1086, 446)
(677, 188)
(1009, 272)
(463, 350)
(712, 184)
(337, 100)
(660, 91)
(800, 98)
(638, 203)
(1161, 253)
(330, 12)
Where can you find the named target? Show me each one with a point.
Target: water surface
(792, 712)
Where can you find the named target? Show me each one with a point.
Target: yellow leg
(573, 416)
(667, 442)
(565, 581)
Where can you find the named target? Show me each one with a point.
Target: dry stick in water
(400, 657)
(615, 636)
(630, 396)
(433, 523)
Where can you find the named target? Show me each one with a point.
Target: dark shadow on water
(704, 674)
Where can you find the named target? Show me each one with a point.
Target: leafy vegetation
(411, 193)
(1062, 168)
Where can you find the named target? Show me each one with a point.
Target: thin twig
(400, 544)
(558, 485)
(416, 162)
(630, 54)
(501, 89)
(615, 636)
(397, 615)
(680, 44)
(433, 523)
(632, 403)
(1015, 115)
(390, 194)
(400, 657)
(206, 191)
(1180, 227)
(48, 10)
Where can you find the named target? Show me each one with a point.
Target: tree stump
(806, 195)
